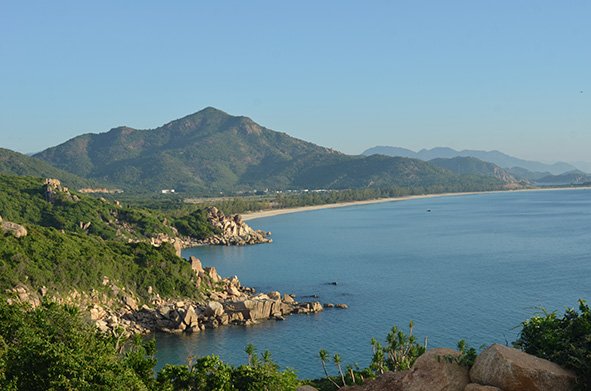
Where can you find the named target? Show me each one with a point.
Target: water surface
(473, 267)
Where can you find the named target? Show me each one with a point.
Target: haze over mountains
(501, 159)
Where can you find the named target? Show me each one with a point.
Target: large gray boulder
(435, 370)
(514, 370)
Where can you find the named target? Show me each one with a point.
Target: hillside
(500, 159)
(14, 163)
(473, 166)
(574, 177)
(210, 152)
(72, 241)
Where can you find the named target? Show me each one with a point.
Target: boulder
(274, 295)
(514, 370)
(190, 318)
(480, 387)
(434, 372)
(233, 291)
(130, 303)
(214, 308)
(196, 264)
(342, 306)
(288, 299)
(212, 273)
(16, 230)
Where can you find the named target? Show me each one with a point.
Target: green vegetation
(75, 240)
(565, 340)
(14, 163)
(211, 152)
(53, 348)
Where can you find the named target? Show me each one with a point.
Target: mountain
(496, 157)
(575, 177)
(211, 151)
(527, 175)
(472, 166)
(19, 164)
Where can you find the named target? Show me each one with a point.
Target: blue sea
(464, 267)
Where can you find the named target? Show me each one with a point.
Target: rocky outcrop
(233, 231)
(435, 370)
(498, 368)
(16, 230)
(513, 370)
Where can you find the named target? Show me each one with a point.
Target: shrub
(565, 340)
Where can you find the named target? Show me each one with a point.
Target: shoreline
(276, 212)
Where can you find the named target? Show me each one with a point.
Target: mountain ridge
(499, 158)
(211, 151)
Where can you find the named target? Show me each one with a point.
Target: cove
(472, 267)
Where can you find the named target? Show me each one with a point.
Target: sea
(469, 267)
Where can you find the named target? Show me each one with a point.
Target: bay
(467, 267)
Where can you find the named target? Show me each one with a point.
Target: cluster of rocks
(233, 230)
(230, 303)
(14, 229)
(53, 187)
(498, 368)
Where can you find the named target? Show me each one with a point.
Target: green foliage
(24, 201)
(466, 358)
(211, 152)
(565, 340)
(14, 163)
(206, 373)
(195, 225)
(210, 373)
(402, 350)
(52, 348)
(63, 261)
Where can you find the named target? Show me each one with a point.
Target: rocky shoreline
(119, 312)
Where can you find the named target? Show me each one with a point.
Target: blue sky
(508, 75)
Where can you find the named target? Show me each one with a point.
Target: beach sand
(276, 212)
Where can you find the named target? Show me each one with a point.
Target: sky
(508, 75)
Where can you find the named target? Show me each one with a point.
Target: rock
(130, 302)
(513, 370)
(288, 299)
(274, 295)
(432, 372)
(43, 291)
(196, 264)
(342, 306)
(190, 318)
(233, 291)
(328, 305)
(212, 274)
(16, 230)
(480, 387)
(102, 326)
(234, 281)
(214, 308)
(306, 388)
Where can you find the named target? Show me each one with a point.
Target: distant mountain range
(496, 157)
(211, 151)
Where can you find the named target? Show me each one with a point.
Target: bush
(564, 340)
(52, 348)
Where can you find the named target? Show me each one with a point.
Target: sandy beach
(276, 212)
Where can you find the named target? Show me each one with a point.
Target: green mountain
(575, 177)
(472, 166)
(211, 152)
(14, 163)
